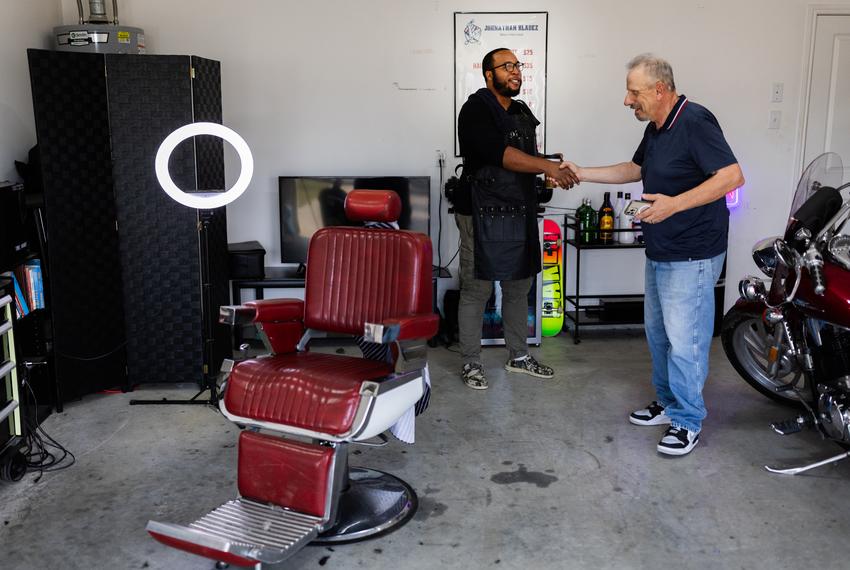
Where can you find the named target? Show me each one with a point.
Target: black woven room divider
(124, 257)
(86, 302)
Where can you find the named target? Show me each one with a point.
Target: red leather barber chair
(302, 409)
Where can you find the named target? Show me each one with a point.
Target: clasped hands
(559, 175)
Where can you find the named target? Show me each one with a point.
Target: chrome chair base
(375, 503)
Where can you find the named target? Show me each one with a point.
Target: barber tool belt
(505, 225)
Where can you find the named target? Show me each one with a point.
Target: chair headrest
(372, 206)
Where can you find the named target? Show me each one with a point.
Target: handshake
(563, 174)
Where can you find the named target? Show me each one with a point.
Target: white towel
(405, 428)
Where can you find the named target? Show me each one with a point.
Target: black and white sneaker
(652, 415)
(677, 441)
(528, 365)
(473, 376)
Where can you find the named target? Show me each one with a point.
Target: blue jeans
(679, 321)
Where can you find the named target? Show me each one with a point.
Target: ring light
(204, 200)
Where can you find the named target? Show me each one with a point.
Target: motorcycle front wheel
(747, 341)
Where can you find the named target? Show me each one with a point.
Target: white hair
(657, 68)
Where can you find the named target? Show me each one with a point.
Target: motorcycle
(789, 338)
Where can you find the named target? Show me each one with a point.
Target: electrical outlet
(776, 92)
(775, 120)
(441, 158)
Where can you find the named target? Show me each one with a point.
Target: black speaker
(124, 259)
(448, 322)
(14, 240)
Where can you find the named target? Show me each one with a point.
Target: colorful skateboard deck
(553, 279)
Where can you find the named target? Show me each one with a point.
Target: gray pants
(474, 294)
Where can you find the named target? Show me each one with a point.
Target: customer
(496, 213)
(687, 168)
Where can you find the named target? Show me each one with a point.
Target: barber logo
(471, 33)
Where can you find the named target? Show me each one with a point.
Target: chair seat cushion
(318, 392)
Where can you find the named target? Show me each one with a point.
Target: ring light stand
(205, 203)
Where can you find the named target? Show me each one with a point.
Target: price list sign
(524, 33)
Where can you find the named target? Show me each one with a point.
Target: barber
(496, 214)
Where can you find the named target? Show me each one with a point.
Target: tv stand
(275, 278)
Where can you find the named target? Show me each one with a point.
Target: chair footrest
(242, 532)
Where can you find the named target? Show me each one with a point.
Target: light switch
(775, 120)
(776, 92)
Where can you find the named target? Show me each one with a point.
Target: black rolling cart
(576, 310)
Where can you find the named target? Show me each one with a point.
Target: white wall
(24, 25)
(314, 88)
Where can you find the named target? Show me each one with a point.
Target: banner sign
(524, 33)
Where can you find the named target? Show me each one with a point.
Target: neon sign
(733, 198)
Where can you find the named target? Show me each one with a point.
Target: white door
(828, 115)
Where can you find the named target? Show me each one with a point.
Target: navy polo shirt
(678, 157)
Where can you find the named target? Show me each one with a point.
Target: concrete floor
(529, 474)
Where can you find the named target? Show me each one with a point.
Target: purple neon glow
(733, 198)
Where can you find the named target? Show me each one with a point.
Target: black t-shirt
(685, 152)
(481, 142)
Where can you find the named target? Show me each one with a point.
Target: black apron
(504, 206)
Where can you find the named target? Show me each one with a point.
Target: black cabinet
(123, 258)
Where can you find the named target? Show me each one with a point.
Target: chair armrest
(414, 327)
(279, 321)
(277, 310)
(234, 315)
(263, 311)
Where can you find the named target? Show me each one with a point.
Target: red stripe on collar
(676, 116)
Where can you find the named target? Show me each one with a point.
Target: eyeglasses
(510, 66)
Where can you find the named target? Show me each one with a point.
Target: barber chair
(301, 410)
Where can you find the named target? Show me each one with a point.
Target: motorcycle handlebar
(814, 263)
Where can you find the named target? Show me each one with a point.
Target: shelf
(578, 245)
(576, 228)
(573, 299)
(589, 320)
(31, 314)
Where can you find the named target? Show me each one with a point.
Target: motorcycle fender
(755, 308)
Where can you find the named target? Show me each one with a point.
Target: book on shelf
(28, 287)
(35, 283)
(22, 308)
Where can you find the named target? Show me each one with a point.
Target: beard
(502, 88)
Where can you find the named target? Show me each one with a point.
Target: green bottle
(588, 221)
(579, 221)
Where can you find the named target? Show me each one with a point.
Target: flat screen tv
(308, 203)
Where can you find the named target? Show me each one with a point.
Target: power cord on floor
(38, 446)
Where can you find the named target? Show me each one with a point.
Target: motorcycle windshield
(825, 170)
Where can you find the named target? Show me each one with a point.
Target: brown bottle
(606, 221)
